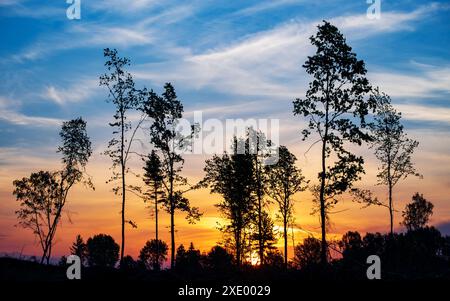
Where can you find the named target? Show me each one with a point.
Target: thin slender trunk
(123, 187)
(391, 208)
(172, 236)
(156, 228)
(172, 218)
(324, 247)
(238, 247)
(261, 238)
(285, 241)
(259, 195)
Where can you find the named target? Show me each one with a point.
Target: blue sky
(231, 59)
(217, 53)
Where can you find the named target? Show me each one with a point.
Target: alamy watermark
(73, 12)
(374, 9)
(240, 136)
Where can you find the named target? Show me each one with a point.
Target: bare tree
(125, 97)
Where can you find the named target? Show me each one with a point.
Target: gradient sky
(230, 59)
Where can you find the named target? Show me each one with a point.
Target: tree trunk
(156, 228)
(237, 238)
(391, 208)
(324, 247)
(123, 187)
(172, 217)
(259, 195)
(285, 241)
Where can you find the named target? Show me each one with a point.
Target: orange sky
(93, 212)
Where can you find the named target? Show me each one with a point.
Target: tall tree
(232, 176)
(44, 194)
(393, 149)
(417, 213)
(153, 178)
(166, 110)
(259, 150)
(125, 97)
(336, 108)
(284, 180)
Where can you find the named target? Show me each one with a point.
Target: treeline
(341, 109)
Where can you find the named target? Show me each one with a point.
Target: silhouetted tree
(125, 97)
(232, 176)
(308, 253)
(284, 180)
(103, 251)
(258, 144)
(274, 259)
(79, 248)
(153, 254)
(128, 264)
(153, 178)
(393, 149)
(218, 259)
(352, 245)
(265, 236)
(168, 139)
(188, 261)
(44, 194)
(417, 213)
(336, 108)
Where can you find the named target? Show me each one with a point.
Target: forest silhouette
(341, 109)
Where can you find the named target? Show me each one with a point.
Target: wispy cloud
(86, 35)
(10, 114)
(424, 113)
(268, 63)
(431, 81)
(29, 9)
(266, 5)
(77, 92)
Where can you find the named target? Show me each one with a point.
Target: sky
(228, 59)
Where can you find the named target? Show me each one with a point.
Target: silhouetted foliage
(128, 264)
(103, 251)
(154, 180)
(153, 254)
(165, 111)
(231, 175)
(188, 261)
(258, 148)
(79, 248)
(335, 108)
(284, 180)
(417, 213)
(274, 259)
(44, 194)
(265, 236)
(125, 97)
(308, 253)
(218, 259)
